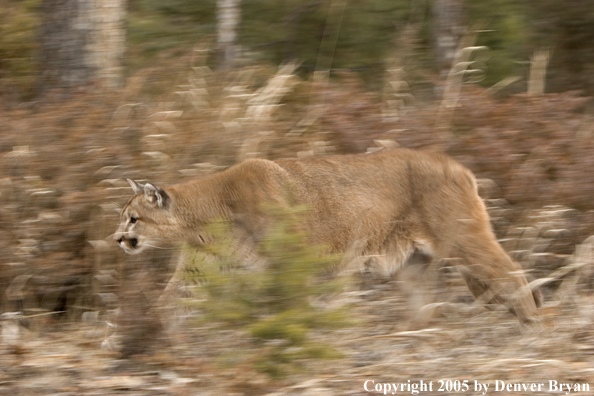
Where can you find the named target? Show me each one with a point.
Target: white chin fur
(132, 251)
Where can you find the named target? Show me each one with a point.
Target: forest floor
(461, 349)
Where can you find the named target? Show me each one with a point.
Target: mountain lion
(384, 206)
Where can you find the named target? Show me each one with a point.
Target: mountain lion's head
(144, 219)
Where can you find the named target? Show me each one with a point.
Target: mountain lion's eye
(133, 220)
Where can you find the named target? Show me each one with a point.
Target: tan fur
(385, 205)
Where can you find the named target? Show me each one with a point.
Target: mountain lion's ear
(138, 188)
(155, 195)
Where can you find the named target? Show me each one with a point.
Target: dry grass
(481, 345)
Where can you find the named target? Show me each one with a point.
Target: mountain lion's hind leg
(493, 277)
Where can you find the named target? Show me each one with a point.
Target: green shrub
(273, 307)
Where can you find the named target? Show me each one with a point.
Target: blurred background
(96, 91)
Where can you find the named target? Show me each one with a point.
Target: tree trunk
(228, 19)
(82, 41)
(109, 42)
(448, 27)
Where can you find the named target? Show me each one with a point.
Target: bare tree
(82, 41)
(228, 19)
(448, 27)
